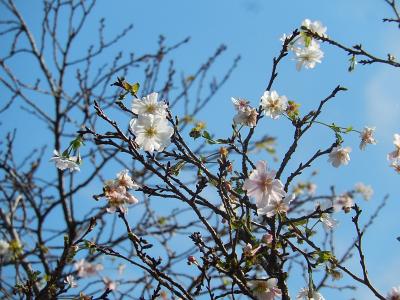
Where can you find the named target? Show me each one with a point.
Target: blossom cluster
(117, 194)
(306, 49)
(151, 128)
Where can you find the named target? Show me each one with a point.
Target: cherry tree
(188, 214)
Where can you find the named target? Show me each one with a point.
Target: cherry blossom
(339, 156)
(395, 155)
(308, 57)
(367, 137)
(149, 105)
(265, 289)
(247, 117)
(63, 162)
(70, 280)
(273, 104)
(366, 191)
(153, 132)
(304, 295)
(276, 206)
(263, 186)
(315, 27)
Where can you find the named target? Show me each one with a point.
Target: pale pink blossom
(109, 284)
(365, 191)
(125, 180)
(276, 206)
(86, 268)
(396, 165)
(339, 156)
(343, 202)
(395, 155)
(263, 186)
(367, 137)
(265, 289)
(240, 104)
(247, 117)
(394, 294)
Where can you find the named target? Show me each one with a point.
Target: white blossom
(153, 132)
(263, 186)
(4, 248)
(339, 156)
(304, 295)
(328, 221)
(63, 162)
(276, 206)
(247, 117)
(70, 280)
(395, 155)
(314, 27)
(125, 180)
(265, 289)
(149, 105)
(367, 137)
(273, 104)
(366, 191)
(308, 57)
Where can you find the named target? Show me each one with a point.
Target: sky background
(252, 28)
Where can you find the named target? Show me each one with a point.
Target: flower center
(266, 184)
(150, 108)
(150, 132)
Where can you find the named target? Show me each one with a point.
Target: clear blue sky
(252, 28)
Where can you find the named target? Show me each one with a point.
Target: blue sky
(252, 28)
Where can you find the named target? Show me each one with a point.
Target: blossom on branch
(315, 27)
(275, 206)
(153, 132)
(366, 191)
(248, 117)
(149, 105)
(273, 104)
(265, 289)
(395, 155)
(263, 186)
(304, 294)
(240, 104)
(339, 156)
(70, 280)
(116, 192)
(65, 162)
(367, 137)
(308, 57)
